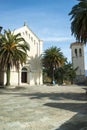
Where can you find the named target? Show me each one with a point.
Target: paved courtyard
(43, 108)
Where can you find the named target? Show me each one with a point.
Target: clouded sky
(48, 19)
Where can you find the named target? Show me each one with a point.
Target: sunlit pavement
(43, 108)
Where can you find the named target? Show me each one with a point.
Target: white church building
(31, 72)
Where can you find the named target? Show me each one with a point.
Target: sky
(48, 19)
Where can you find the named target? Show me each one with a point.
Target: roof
(76, 44)
(25, 25)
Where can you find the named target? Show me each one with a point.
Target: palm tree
(69, 72)
(65, 73)
(13, 51)
(35, 66)
(52, 59)
(36, 63)
(79, 21)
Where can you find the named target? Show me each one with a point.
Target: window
(80, 52)
(32, 39)
(26, 32)
(75, 52)
(29, 36)
(23, 33)
(34, 42)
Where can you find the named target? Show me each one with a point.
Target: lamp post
(1, 69)
(53, 76)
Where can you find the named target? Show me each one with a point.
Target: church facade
(31, 72)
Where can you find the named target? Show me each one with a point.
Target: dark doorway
(24, 75)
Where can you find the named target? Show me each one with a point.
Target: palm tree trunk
(8, 75)
(1, 76)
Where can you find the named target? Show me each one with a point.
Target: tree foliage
(79, 21)
(53, 58)
(66, 73)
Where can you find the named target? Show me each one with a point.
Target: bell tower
(77, 54)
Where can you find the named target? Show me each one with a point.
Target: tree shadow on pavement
(72, 125)
(69, 101)
(23, 92)
(74, 107)
(77, 122)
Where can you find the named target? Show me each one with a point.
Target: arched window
(80, 52)
(75, 52)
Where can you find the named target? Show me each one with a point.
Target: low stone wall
(80, 79)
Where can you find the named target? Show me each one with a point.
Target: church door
(24, 75)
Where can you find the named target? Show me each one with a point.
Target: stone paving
(43, 108)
